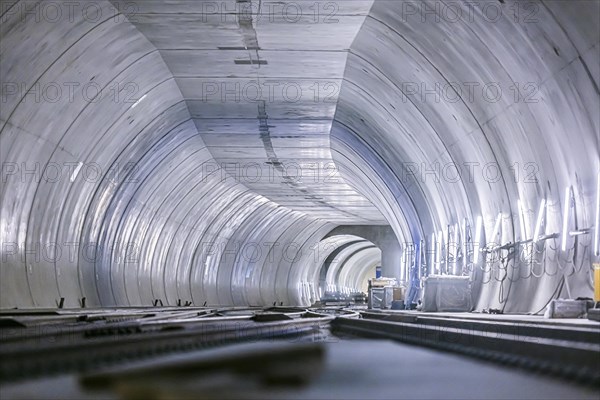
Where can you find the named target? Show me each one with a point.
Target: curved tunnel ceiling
(263, 93)
(140, 164)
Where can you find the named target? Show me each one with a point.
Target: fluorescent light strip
(538, 222)
(477, 242)
(465, 241)
(422, 258)
(433, 247)
(439, 252)
(521, 220)
(404, 264)
(565, 221)
(456, 241)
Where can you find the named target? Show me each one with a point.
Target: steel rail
(84, 348)
(541, 329)
(569, 357)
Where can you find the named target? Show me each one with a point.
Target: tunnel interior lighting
(477, 242)
(565, 220)
(521, 212)
(538, 222)
(404, 264)
(432, 250)
(438, 252)
(580, 232)
(449, 238)
(465, 241)
(456, 247)
(422, 259)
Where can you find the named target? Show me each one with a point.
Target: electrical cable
(555, 293)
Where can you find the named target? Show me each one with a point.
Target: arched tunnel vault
(385, 239)
(142, 210)
(341, 259)
(153, 154)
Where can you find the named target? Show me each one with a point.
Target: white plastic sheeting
(113, 188)
(408, 120)
(139, 209)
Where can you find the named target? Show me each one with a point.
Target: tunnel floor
(281, 353)
(353, 369)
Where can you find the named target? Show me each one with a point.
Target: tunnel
(243, 154)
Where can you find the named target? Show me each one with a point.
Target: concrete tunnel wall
(141, 210)
(398, 131)
(173, 227)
